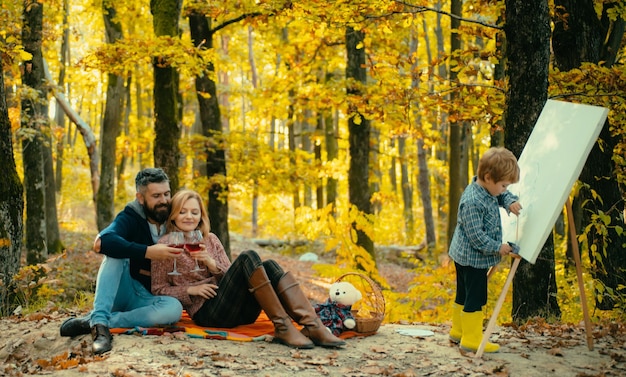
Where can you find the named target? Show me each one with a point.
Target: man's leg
(112, 288)
(108, 282)
(143, 309)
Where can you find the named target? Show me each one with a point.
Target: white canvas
(551, 162)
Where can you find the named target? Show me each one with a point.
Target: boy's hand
(506, 249)
(514, 251)
(515, 207)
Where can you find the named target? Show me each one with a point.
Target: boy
(477, 243)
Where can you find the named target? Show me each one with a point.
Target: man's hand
(162, 251)
(97, 244)
(203, 290)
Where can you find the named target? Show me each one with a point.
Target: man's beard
(158, 213)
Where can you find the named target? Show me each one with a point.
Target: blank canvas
(550, 163)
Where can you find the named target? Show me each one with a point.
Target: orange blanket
(259, 330)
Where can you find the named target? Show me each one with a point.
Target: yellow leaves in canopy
(121, 57)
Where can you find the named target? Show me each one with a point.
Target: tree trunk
(374, 163)
(407, 191)
(455, 155)
(359, 135)
(317, 150)
(579, 36)
(33, 119)
(53, 235)
(423, 177)
(59, 114)
(527, 58)
(167, 98)
(11, 206)
(105, 199)
(202, 35)
(330, 136)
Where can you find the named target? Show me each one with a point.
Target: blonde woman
(227, 295)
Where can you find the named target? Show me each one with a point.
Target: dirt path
(32, 346)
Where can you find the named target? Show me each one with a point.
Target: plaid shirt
(478, 235)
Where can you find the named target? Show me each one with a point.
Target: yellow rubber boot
(456, 332)
(473, 333)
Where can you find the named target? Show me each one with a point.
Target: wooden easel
(574, 239)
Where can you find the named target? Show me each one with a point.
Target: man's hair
(501, 165)
(149, 175)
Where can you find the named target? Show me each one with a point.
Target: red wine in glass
(193, 245)
(176, 240)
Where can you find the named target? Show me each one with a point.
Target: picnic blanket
(260, 330)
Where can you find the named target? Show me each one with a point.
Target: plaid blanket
(260, 330)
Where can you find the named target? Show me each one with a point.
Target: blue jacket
(128, 236)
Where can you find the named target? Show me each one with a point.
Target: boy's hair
(501, 165)
(149, 175)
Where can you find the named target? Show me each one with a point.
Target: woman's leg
(299, 308)
(234, 305)
(243, 291)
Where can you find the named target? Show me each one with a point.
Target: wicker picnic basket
(369, 311)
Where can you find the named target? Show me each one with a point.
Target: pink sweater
(176, 285)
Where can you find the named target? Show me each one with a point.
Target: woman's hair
(501, 165)
(177, 203)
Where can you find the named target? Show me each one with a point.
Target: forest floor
(31, 345)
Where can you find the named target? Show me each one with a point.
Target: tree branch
(421, 9)
(88, 136)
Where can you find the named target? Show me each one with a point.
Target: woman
(245, 287)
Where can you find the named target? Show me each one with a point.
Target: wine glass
(192, 245)
(177, 240)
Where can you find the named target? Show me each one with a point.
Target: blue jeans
(121, 301)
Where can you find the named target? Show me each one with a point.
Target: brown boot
(299, 308)
(284, 331)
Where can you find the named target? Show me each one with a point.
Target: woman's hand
(203, 290)
(204, 257)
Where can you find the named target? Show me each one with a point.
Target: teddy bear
(336, 312)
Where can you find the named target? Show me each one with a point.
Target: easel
(574, 239)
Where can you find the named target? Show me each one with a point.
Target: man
(123, 297)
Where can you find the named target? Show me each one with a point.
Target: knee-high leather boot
(299, 308)
(284, 330)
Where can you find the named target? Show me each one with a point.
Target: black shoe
(101, 339)
(75, 326)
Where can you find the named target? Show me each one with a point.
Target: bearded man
(122, 297)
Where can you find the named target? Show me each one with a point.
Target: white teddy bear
(336, 312)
